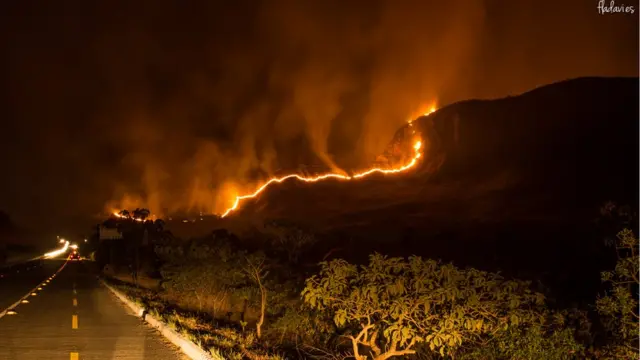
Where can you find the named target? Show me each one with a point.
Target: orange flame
(124, 217)
(417, 146)
(239, 198)
(430, 110)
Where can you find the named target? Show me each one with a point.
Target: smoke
(178, 108)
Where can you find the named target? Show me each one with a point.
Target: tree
(140, 213)
(619, 306)
(256, 270)
(159, 225)
(391, 304)
(289, 239)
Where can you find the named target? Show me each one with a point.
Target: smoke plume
(179, 106)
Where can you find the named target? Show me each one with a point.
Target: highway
(70, 315)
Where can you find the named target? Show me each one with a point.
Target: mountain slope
(511, 184)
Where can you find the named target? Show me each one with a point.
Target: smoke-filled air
(183, 108)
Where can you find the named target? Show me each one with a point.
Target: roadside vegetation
(239, 301)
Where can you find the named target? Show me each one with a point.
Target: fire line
(417, 147)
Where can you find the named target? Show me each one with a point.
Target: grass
(223, 341)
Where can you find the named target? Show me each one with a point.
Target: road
(72, 317)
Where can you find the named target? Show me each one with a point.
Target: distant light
(74, 246)
(57, 252)
(85, 240)
(61, 241)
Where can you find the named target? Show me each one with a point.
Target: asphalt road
(72, 317)
(17, 280)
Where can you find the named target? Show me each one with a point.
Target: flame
(124, 217)
(423, 112)
(339, 176)
(431, 110)
(417, 147)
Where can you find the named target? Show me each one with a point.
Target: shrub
(392, 304)
(619, 306)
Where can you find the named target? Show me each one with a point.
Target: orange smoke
(417, 147)
(428, 110)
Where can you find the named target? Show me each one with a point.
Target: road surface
(71, 317)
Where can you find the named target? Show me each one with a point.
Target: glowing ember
(124, 217)
(431, 110)
(417, 146)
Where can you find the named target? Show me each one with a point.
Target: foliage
(393, 304)
(297, 325)
(538, 341)
(390, 307)
(256, 270)
(289, 239)
(201, 280)
(619, 307)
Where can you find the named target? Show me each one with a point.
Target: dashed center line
(73, 356)
(75, 302)
(74, 321)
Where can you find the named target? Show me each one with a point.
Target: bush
(392, 305)
(619, 306)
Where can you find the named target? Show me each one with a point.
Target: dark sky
(173, 104)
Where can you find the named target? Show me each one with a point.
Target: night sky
(170, 104)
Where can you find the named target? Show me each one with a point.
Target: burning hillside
(484, 176)
(535, 167)
(417, 148)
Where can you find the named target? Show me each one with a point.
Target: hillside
(512, 184)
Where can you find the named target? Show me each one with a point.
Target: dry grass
(221, 341)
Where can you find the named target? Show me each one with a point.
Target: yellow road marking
(74, 356)
(74, 291)
(75, 302)
(74, 321)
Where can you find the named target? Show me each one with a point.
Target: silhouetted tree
(125, 214)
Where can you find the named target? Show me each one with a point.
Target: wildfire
(123, 217)
(417, 147)
(426, 112)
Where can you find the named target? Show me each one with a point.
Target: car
(74, 256)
